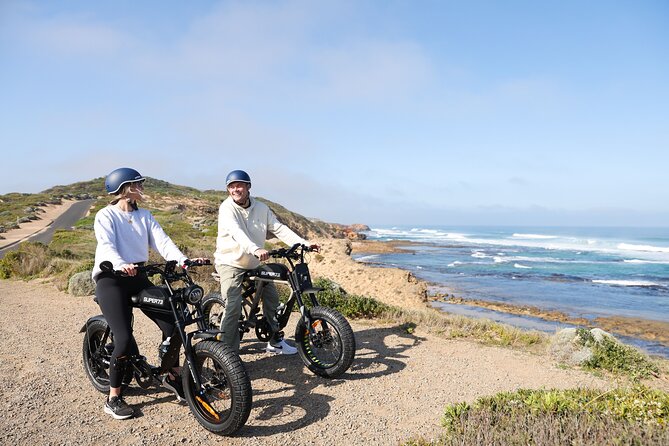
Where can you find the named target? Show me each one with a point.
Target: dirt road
(397, 387)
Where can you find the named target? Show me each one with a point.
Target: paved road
(64, 221)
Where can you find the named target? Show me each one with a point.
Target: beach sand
(389, 285)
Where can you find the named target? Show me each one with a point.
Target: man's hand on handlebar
(315, 248)
(262, 254)
(198, 261)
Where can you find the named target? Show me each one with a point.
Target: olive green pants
(231, 279)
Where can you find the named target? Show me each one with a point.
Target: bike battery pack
(272, 271)
(154, 297)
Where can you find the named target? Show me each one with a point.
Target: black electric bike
(216, 385)
(324, 338)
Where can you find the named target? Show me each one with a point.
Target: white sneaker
(281, 349)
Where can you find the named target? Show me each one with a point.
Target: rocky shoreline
(649, 330)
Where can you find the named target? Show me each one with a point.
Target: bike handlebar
(108, 267)
(291, 253)
(189, 262)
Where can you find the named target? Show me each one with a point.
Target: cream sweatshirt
(243, 231)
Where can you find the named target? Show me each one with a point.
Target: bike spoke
(216, 390)
(324, 345)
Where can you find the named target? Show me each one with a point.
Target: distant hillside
(174, 205)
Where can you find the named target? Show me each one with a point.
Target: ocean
(583, 272)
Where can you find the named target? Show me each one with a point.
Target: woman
(124, 234)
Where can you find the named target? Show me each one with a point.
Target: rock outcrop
(81, 284)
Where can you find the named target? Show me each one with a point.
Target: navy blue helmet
(237, 175)
(119, 177)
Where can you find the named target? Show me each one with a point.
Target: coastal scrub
(636, 415)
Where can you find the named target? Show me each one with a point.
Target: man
(243, 223)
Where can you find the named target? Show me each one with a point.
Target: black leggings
(113, 294)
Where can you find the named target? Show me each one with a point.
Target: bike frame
(297, 277)
(183, 318)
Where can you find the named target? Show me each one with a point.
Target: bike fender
(209, 334)
(99, 317)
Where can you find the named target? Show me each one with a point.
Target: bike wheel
(223, 404)
(213, 309)
(96, 359)
(329, 351)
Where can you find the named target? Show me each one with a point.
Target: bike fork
(103, 343)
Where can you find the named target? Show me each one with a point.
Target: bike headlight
(193, 294)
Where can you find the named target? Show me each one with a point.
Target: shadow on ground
(297, 402)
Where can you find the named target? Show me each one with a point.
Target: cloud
(372, 70)
(518, 181)
(72, 36)
(238, 41)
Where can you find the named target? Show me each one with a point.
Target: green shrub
(611, 355)
(73, 244)
(350, 305)
(26, 262)
(7, 264)
(637, 415)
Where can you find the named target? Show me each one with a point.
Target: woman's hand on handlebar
(129, 269)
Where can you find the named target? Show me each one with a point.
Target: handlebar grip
(108, 267)
(189, 262)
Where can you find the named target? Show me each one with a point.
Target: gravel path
(397, 387)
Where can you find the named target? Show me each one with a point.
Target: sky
(377, 112)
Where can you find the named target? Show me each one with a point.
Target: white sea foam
(655, 253)
(480, 255)
(456, 263)
(518, 265)
(656, 262)
(420, 234)
(534, 236)
(367, 258)
(639, 283)
(645, 248)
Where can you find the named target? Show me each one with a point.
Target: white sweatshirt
(125, 238)
(241, 232)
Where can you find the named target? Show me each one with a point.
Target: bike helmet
(119, 177)
(237, 175)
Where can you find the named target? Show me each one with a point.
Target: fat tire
(238, 383)
(97, 373)
(208, 304)
(342, 338)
